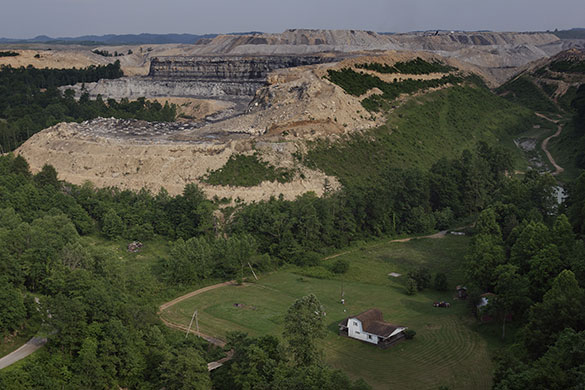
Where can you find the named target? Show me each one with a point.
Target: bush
(112, 225)
(444, 218)
(422, 277)
(142, 232)
(411, 286)
(263, 262)
(340, 266)
(409, 334)
(440, 282)
(309, 259)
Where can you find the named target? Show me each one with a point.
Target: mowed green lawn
(446, 350)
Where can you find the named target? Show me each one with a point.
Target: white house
(370, 327)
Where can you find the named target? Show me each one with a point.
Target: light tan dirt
(54, 59)
(191, 108)
(131, 165)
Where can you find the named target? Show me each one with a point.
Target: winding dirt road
(440, 234)
(558, 168)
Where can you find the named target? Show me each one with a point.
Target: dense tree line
(416, 66)
(578, 105)
(103, 328)
(34, 78)
(402, 201)
(528, 256)
(30, 101)
(8, 54)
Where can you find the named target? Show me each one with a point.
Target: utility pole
(191, 323)
(252, 269)
(197, 323)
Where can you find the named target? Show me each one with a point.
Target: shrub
(141, 232)
(444, 218)
(422, 277)
(440, 282)
(409, 334)
(309, 259)
(317, 272)
(340, 266)
(411, 286)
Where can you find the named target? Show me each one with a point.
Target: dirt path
(165, 306)
(28, 348)
(212, 340)
(558, 168)
(440, 234)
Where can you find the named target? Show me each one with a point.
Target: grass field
(449, 348)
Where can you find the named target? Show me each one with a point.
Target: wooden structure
(370, 327)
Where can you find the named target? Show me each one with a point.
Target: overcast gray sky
(65, 18)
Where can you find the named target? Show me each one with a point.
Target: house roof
(373, 322)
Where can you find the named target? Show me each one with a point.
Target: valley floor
(449, 349)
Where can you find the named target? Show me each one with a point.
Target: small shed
(461, 292)
(481, 307)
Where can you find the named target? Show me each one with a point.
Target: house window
(355, 323)
(370, 336)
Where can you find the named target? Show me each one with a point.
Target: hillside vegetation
(358, 84)
(440, 124)
(524, 91)
(247, 171)
(416, 66)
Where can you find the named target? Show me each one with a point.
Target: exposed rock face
(147, 87)
(202, 77)
(225, 68)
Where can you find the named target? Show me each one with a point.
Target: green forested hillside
(523, 90)
(423, 130)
